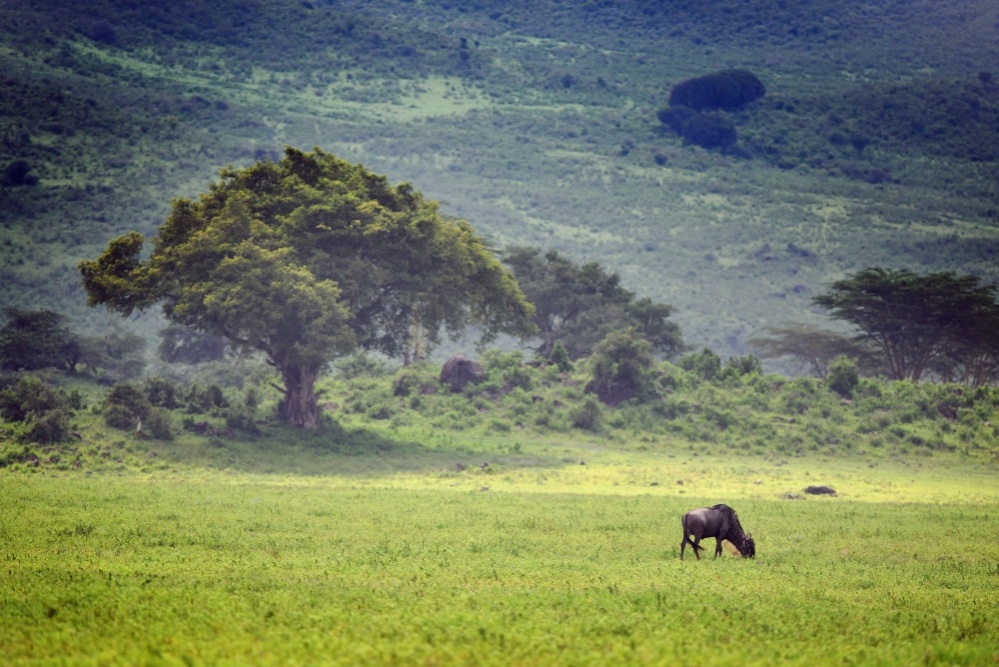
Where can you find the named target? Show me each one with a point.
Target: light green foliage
(843, 377)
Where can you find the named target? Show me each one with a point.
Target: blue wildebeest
(719, 522)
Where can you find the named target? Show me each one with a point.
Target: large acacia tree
(308, 259)
(916, 323)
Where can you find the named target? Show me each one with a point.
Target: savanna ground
(559, 551)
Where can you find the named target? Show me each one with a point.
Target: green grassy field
(565, 553)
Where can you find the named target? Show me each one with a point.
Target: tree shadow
(338, 451)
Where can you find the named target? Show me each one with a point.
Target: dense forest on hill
(874, 144)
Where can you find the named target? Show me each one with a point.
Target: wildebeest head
(748, 547)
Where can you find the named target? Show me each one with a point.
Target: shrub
(842, 376)
(360, 365)
(622, 364)
(560, 357)
(42, 412)
(161, 392)
(127, 407)
(588, 416)
(705, 363)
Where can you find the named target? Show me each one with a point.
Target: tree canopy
(577, 305)
(34, 339)
(308, 259)
(918, 323)
(809, 345)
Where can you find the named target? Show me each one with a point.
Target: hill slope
(875, 142)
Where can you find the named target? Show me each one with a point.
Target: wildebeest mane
(721, 507)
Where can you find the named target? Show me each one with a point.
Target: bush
(622, 364)
(588, 416)
(42, 412)
(705, 363)
(360, 365)
(127, 407)
(842, 376)
(560, 357)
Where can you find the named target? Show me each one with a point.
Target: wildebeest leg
(683, 545)
(697, 547)
(718, 546)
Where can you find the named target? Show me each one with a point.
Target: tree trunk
(300, 406)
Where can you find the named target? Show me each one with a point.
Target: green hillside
(874, 144)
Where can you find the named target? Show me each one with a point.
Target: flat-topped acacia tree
(308, 259)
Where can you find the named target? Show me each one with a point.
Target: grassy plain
(562, 552)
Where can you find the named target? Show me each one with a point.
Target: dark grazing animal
(719, 522)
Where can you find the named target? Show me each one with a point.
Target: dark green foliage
(675, 117)
(728, 90)
(16, 173)
(162, 393)
(843, 377)
(577, 305)
(35, 339)
(102, 31)
(706, 363)
(620, 368)
(127, 408)
(183, 345)
(40, 412)
(707, 130)
(588, 416)
(560, 357)
(737, 367)
(360, 365)
(916, 323)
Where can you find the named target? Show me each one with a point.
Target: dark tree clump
(709, 130)
(729, 90)
(102, 31)
(17, 173)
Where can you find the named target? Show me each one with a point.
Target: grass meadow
(558, 553)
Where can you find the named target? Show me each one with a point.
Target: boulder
(459, 371)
